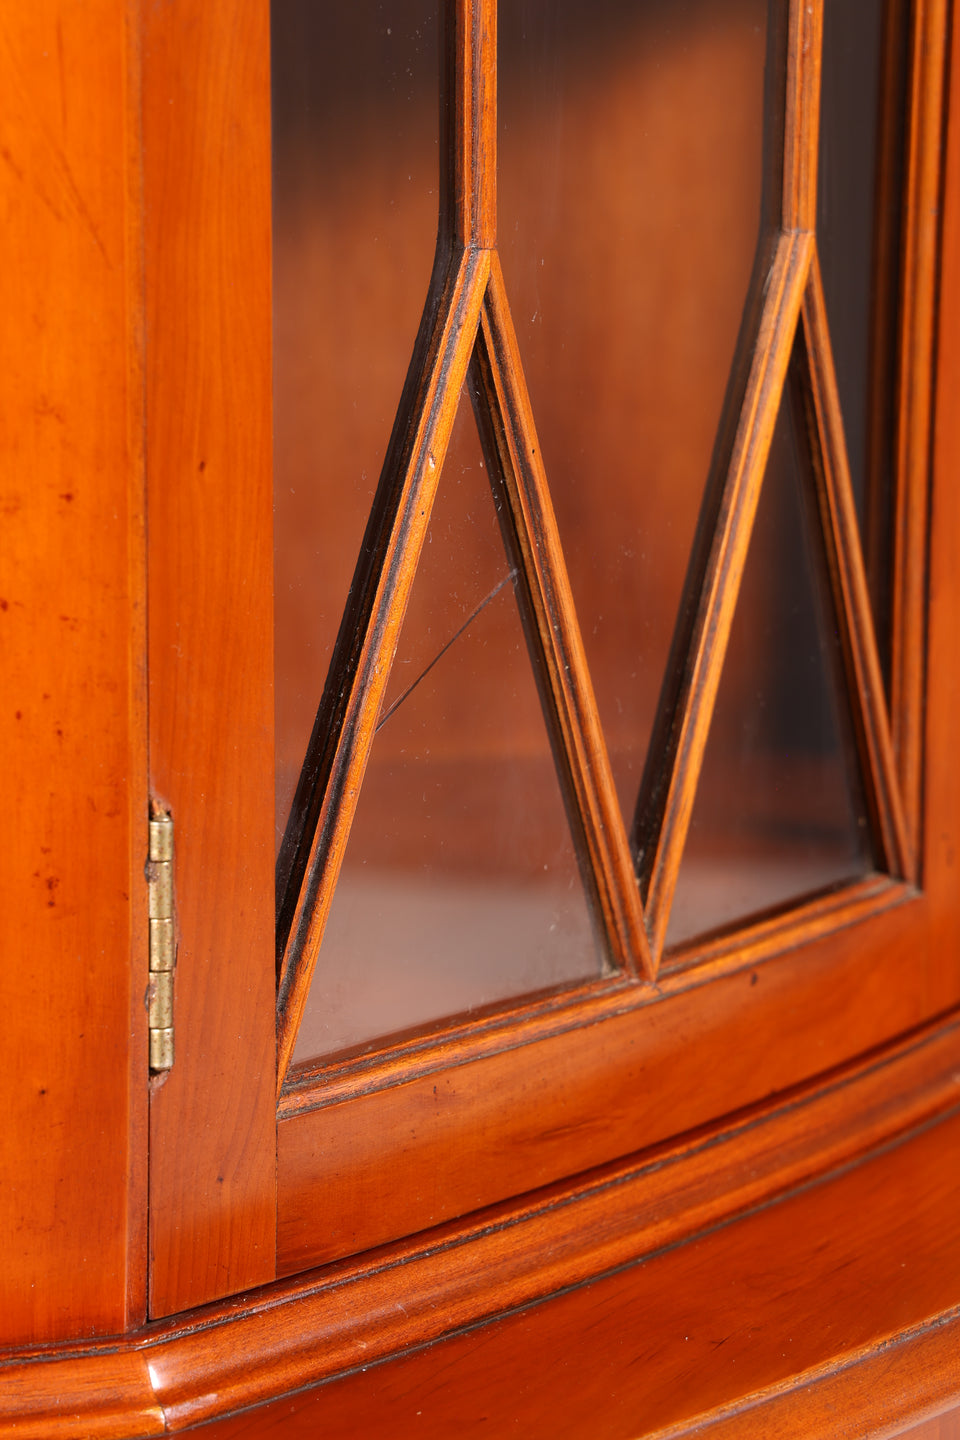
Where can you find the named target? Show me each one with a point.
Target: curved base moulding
(796, 1272)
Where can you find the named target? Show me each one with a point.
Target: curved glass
(860, 181)
(631, 176)
(459, 886)
(779, 812)
(355, 178)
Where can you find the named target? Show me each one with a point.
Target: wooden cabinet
(715, 1187)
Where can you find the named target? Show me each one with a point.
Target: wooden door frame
(873, 1142)
(611, 1072)
(206, 197)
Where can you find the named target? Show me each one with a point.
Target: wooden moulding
(341, 740)
(216, 1361)
(489, 1114)
(514, 460)
(676, 749)
(926, 187)
(817, 391)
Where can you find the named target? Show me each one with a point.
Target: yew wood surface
(564, 1091)
(919, 310)
(465, 1120)
(206, 191)
(943, 1427)
(290, 1336)
(72, 651)
(815, 388)
(832, 1313)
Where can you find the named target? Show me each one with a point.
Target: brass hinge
(163, 942)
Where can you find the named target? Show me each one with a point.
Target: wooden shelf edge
(285, 1337)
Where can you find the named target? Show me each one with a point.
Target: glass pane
(460, 885)
(631, 176)
(355, 177)
(865, 48)
(779, 812)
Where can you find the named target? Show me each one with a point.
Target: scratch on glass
(477, 610)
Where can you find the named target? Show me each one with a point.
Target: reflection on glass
(780, 812)
(631, 189)
(631, 168)
(460, 885)
(355, 177)
(858, 233)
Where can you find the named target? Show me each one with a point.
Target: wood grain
(72, 1399)
(816, 388)
(325, 801)
(489, 1109)
(918, 324)
(72, 640)
(553, 1101)
(346, 721)
(544, 1248)
(941, 772)
(801, 142)
(675, 755)
(206, 193)
(469, 111)
(833, 1309)
(226, 1357)
(815, 1285)
(943, 1427)
(514, 459)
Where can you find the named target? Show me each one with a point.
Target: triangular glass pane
(860, 183)
(780, 812)
(460, 887)
(354, 188)
(632, 171)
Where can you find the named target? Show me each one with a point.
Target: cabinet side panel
(72, 733)
(942, 787)
(206, 120)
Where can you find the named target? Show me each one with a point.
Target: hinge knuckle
(163, 947)
(163, 942)
(161, 890)
(160, 1011)
(161, 1049)
(161, 838)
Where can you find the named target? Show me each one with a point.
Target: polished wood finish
(515, 463)
(792, 287)
(467, 283)
(831, 1313)
(675, 756)
(787, 1269)
(206, 188)
(918, 322)
(326, 798)
(816, 389)
(324, 804)
(480, 1116)
(943, 1427)
(858, 1270)
(72, 639)
(466, 1115)
(941, 790)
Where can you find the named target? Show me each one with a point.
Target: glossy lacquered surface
(773, 1275)
(73, 650)
(812, 1318)
(789, 1269)
(207, 278)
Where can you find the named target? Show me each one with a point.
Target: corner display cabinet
(480, 618)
